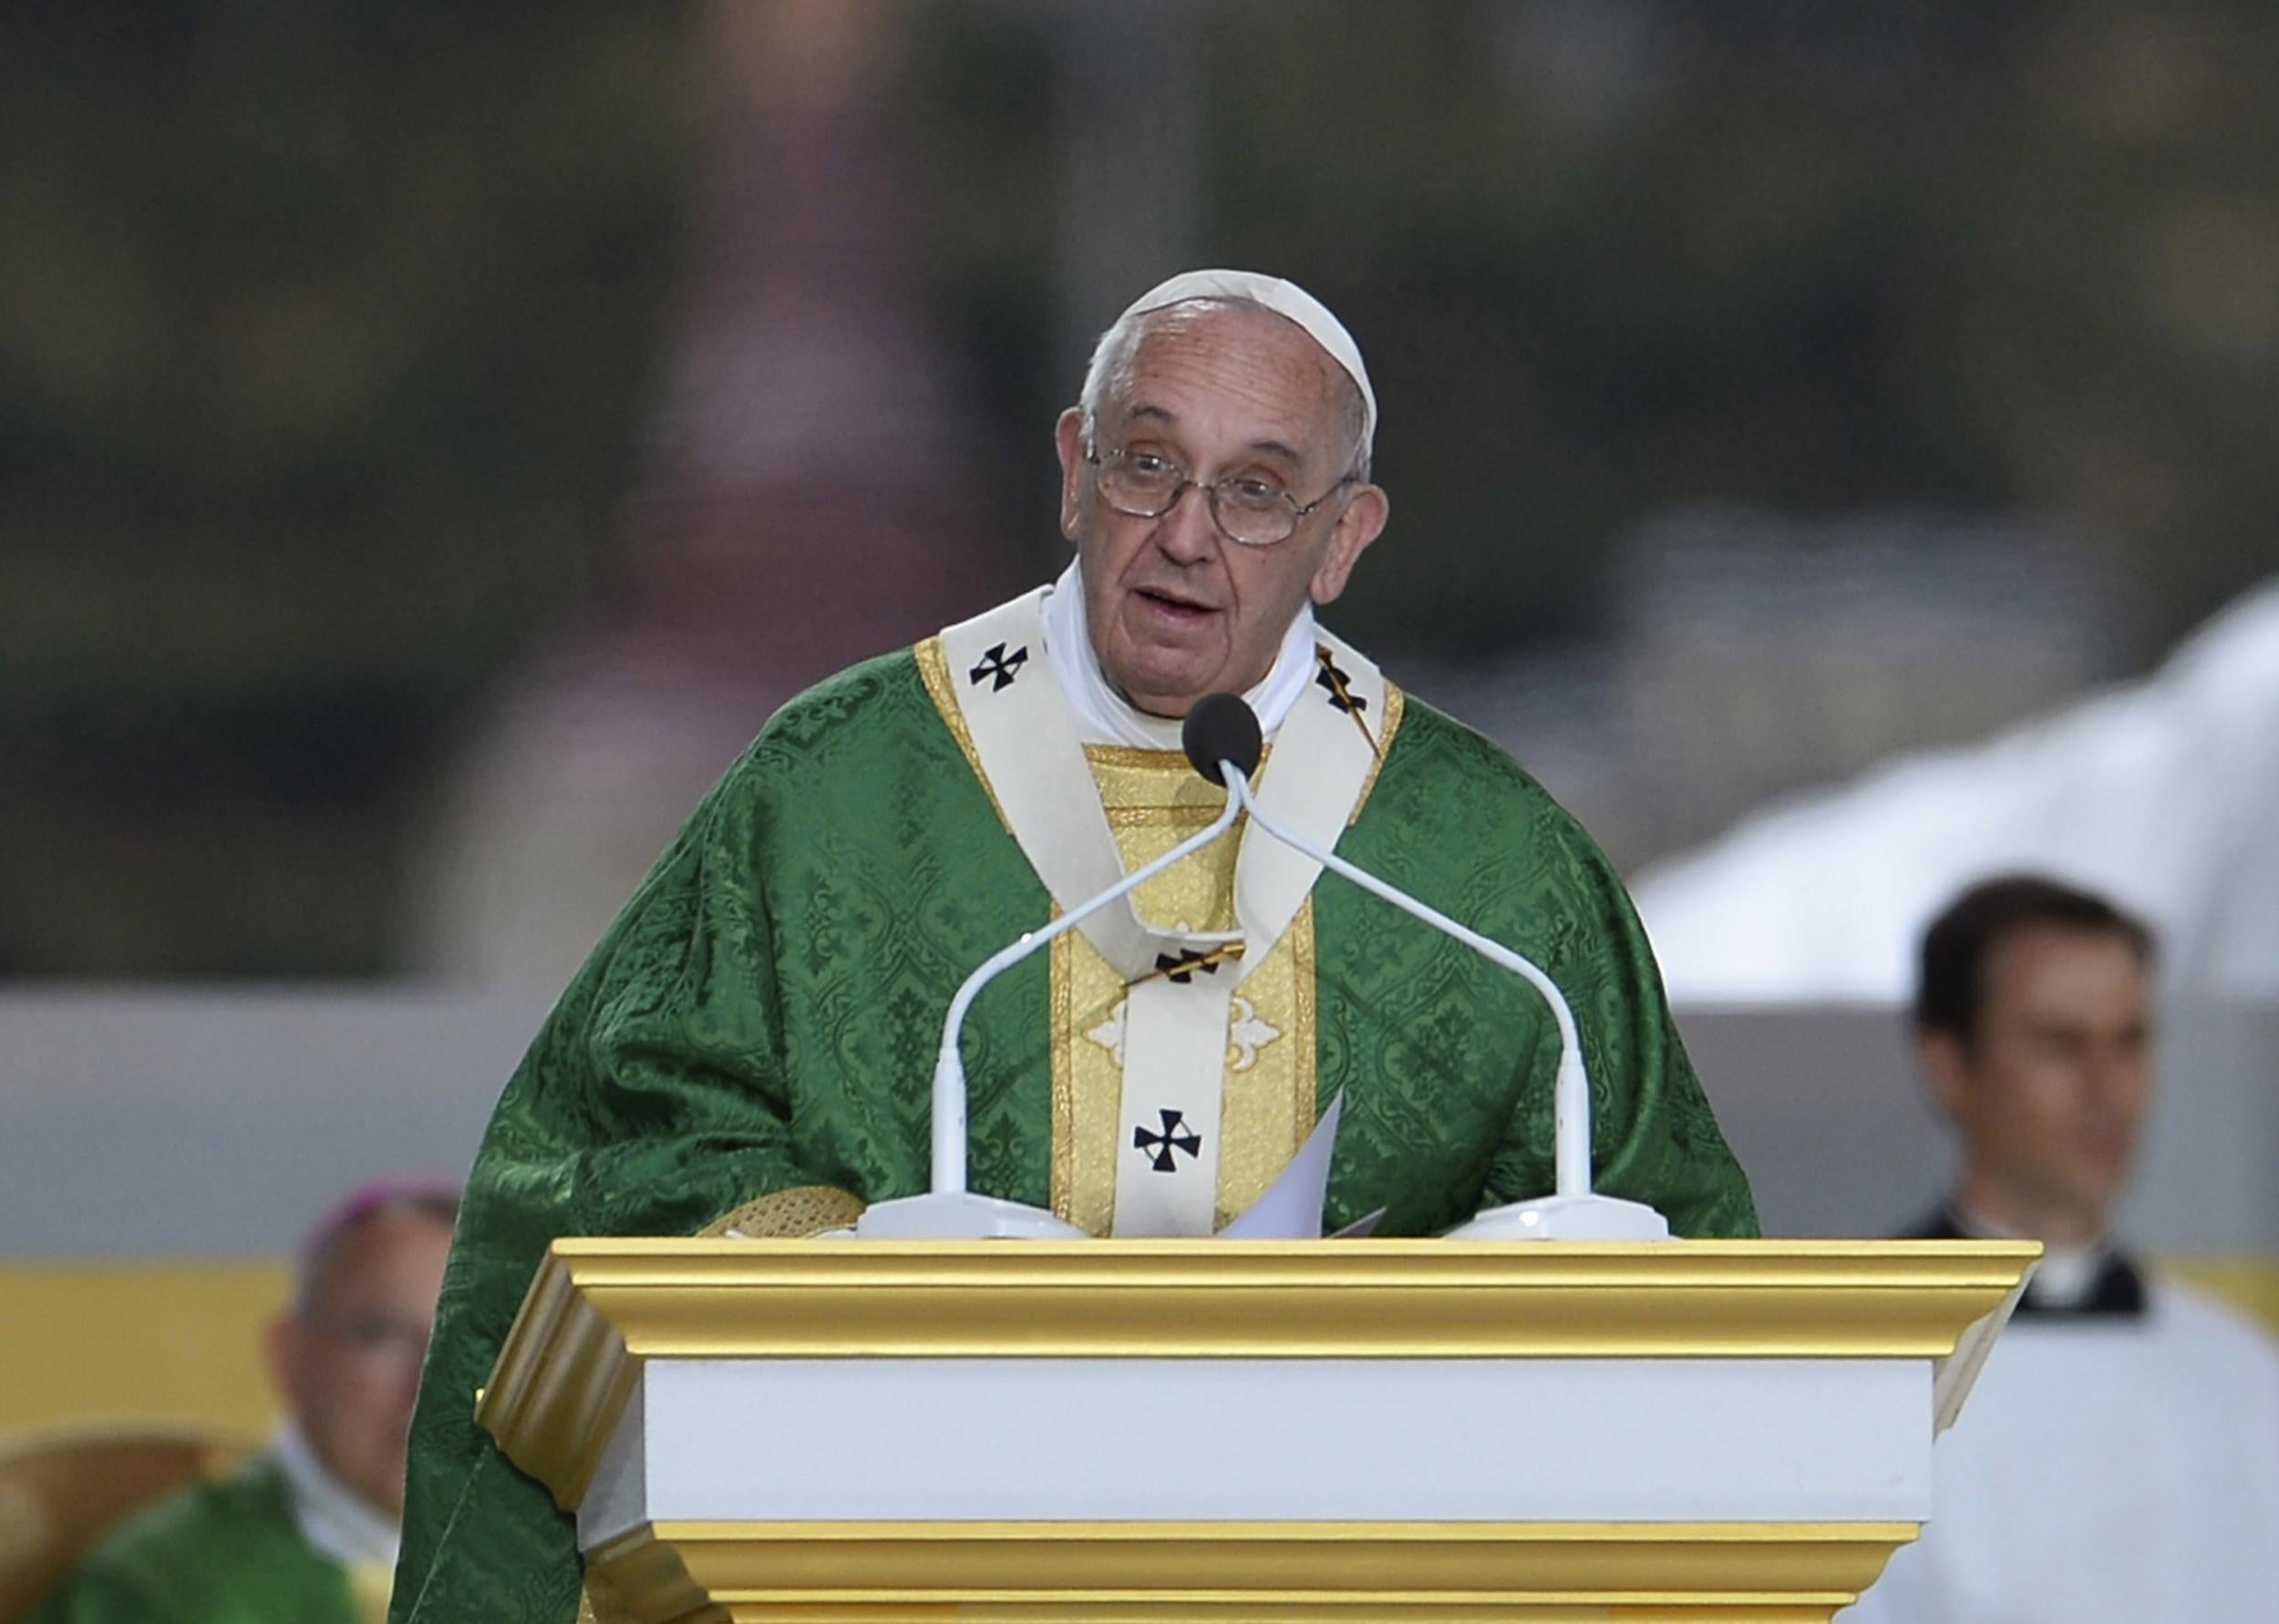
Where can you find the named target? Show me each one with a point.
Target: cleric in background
(305, 1531)
(753, 1042)
(2118, 1458)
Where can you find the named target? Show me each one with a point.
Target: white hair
(1119, 347)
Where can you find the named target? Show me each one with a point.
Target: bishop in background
(304, 1531)
(750, 1046)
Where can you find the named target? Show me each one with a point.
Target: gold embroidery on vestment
(1153, 800)
(1342, 696)
(1110, 757)
(1268, 1105)
(1187, 965)
(794, 1214)
(1308, 1087)
(1186, 819)
(933, 670)
(1391, 726)
(1059, 956)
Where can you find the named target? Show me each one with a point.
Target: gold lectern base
(606, 1318)
(1156, 1573)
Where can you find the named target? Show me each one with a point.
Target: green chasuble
(762, 1021)
(227, 1552)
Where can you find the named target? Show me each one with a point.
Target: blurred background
(1829, 442)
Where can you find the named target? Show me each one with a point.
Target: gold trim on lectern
(1101, 1571)
(600, 1307)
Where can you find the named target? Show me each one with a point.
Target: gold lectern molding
(1108, 1573)
(600, 1307)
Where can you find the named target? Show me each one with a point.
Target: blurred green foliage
(329, 333)
(327, 330)
(1612, 256)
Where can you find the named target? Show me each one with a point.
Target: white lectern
(806, 1431)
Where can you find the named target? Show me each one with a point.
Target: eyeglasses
(1251, 509)
(377, 1336)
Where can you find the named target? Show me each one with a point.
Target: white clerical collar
(1104, 717)
(332, 1517)
(2066, 1276)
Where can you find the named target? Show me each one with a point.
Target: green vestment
(227, 1552)
(763, 1016)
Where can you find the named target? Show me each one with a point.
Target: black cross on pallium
(1335, 680)
(1160, 1147)
(1000, 666)
(1169, 967)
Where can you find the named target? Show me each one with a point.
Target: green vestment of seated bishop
(225, 1552)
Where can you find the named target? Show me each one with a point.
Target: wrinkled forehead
(1240, 360)
(1285, 298)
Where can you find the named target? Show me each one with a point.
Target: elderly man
(2120, 1458)
(306, 1532)
(752, 1042)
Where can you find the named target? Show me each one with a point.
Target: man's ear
(1945, 1066)
(1068, 440)
(1359, 523)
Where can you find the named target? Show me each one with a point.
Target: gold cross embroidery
(1345, 699)
(1205, 960)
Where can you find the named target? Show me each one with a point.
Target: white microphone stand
(1574, 1212)
(950, 1210)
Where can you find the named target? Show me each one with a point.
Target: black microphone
(1219, 727)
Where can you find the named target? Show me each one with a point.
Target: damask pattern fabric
(214, 1552)
(763, 1016)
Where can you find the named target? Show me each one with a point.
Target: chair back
(60, 1491)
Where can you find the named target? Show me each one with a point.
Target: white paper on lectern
(1290, 1209)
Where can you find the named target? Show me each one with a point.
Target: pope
(750, 1046)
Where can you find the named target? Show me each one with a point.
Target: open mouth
(1172, 606)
